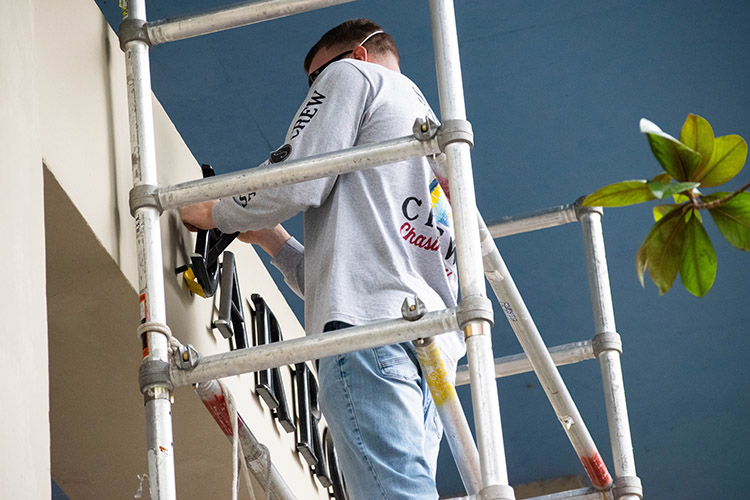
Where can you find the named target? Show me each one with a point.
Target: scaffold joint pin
(425, 129)
(413, 311)
(187, 357)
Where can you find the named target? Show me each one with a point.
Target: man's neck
(387, 61)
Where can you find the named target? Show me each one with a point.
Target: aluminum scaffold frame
(484, 471)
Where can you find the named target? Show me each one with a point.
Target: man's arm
(270, 240)
(288, 255)
(198, 216)
(328, 120)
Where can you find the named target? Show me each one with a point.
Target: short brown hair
(352, 32)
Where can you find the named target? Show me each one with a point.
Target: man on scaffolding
(372, 239)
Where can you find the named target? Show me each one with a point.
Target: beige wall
(24, 420)
(64, 106)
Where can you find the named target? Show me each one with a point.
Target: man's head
(358, 39)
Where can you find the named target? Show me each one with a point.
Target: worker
(371, 239)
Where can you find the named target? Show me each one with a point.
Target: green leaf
(732, 218)
(728, 158)
(664, 250)
(698, 268)
(676, 159)
(662, 210)
(680, 198)
(665, 178)
(662, 190)
(642, 257)
(697, 134)
(620, 194)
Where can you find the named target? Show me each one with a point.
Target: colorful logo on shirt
(440, 206)
(428, 226)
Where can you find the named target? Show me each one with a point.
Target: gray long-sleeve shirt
(374, 237)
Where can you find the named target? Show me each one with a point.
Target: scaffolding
(482, 465)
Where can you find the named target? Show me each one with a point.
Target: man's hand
(198, 216)
(271, 240)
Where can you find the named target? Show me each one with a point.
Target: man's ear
(360, 53)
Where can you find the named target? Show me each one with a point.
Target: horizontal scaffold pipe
(519, 363)
(232, 16)
(289, 352)
(542, 219)
(293, 171)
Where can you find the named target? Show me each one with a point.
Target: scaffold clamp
(606, 341)
(132, 29)
(144, 195)
(582, 209)
(628, 486)
(497, 492)
(455, 131)
(154, 373)
(474, 308)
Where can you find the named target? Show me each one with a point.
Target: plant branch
(713, 204)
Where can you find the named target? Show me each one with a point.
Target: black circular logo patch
(281, 154)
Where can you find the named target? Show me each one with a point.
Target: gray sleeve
(290, 260)
(328, 120)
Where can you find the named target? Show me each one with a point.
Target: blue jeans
(383, 422)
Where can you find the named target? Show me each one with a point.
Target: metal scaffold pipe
(608, 348)
(232, 16)
(477, 325)
(289, 352)
(290, 172)
(543, 219)
(544, 366)
(519, 363)
(150, 277)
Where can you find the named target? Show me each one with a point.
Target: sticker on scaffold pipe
(508, 310)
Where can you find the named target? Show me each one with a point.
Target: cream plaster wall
(24, 419)
(63, 104)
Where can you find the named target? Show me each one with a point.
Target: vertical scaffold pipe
(150, 277)
(541, 361)
(607, 347)
(451, 413)
(215, 399)
(469, 258)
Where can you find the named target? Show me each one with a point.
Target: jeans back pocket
(394, 362)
